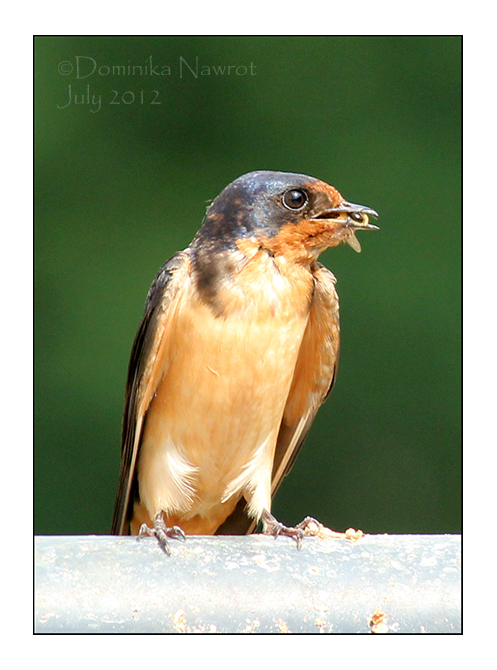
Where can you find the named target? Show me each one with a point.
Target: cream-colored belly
(211, 428)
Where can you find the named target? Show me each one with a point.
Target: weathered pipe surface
(248, 584)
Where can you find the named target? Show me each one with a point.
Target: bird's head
(288, 214)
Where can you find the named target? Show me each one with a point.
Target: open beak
(353, 217)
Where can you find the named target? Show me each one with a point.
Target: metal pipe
(248, 584)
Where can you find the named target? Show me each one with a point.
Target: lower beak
(355, 222)
(352, 217)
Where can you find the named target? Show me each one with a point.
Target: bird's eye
(356, 216)
(295, 199)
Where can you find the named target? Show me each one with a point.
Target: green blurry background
(120, 188)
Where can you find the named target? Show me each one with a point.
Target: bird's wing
(312, 382)
(146, 367)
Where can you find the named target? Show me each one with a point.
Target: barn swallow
(237, 349)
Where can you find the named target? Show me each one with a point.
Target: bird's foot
(309, 527)
(162, 532)
(272, 526)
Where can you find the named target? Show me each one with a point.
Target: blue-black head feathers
(253, 205)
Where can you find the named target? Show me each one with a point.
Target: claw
(273, 527)
(162, 532)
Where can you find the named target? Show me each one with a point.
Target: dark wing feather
(312, 382)
(143, 373)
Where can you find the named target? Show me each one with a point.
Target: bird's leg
(161, 532)
(272, 526)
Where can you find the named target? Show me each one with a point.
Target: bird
(237, 349)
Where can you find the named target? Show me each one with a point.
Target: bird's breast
(212, 425)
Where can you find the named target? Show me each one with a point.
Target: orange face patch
(305, 240)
